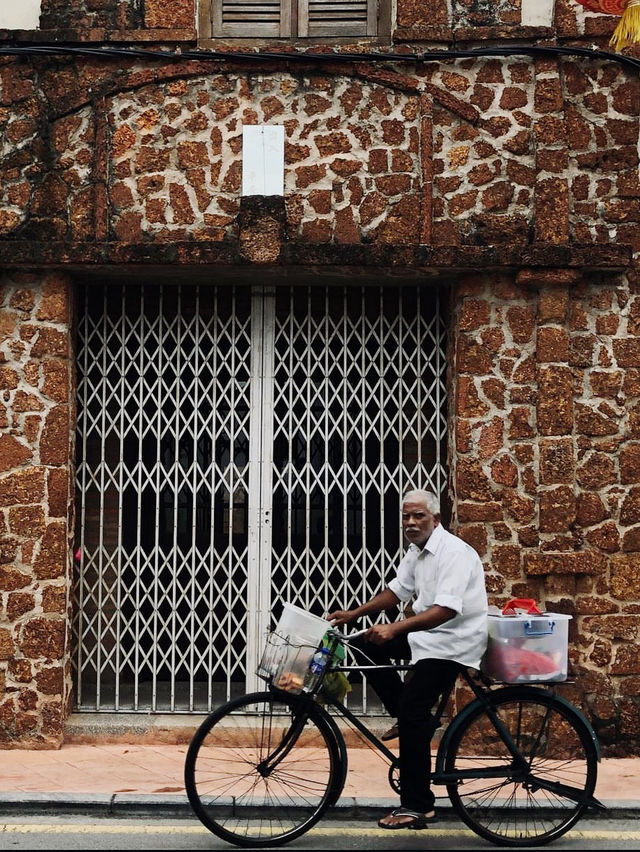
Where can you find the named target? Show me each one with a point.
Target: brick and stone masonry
(546, 466)
(514, 179)
(36, 505)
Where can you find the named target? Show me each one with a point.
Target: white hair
(428, 497)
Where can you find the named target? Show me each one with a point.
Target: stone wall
(37, 417)
(458, 153)
(515, 179)
(416, 20)
(546, 467)
(118, 17)
(352, 155)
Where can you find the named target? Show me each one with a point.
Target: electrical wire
(316, 57)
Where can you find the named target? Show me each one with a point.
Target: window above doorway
(293, 19)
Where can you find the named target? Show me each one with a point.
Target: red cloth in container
(512, 664)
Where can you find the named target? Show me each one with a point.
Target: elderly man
(446, 632)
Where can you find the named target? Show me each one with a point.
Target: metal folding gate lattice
(238, 448)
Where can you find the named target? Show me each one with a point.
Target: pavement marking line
(72, 828)
(586, 834)
(82, 828)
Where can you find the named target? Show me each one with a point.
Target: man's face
(417, 521)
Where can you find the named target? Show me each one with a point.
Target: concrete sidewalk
(118, 778)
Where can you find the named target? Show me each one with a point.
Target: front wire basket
(285, 662)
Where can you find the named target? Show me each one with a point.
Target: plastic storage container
(527, 648)
(290, 648)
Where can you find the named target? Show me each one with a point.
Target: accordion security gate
(238, 448)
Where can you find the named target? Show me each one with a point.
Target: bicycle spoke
(500, 799)
(519, 771)
(256, 775)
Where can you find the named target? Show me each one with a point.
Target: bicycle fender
(506, 692)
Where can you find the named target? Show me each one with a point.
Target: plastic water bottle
(316, 668)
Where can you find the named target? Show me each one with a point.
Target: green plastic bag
(335, 684)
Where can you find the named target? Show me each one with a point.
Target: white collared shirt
(447, 572)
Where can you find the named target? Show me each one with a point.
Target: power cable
(316, 57)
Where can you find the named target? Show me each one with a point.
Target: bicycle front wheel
(529, 802)
(262, 769)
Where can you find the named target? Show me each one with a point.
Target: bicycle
(519, 762)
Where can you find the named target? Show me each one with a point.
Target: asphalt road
(80, 832)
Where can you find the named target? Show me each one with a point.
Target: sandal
(391, 734)
(416, 821)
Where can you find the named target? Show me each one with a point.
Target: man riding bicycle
(447, 631)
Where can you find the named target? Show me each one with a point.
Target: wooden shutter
(337, 18)
(251, 18)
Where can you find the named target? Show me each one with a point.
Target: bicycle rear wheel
(542, 798)
(262, 769)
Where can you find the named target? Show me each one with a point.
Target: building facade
(265, 266)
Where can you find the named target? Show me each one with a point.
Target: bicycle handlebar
(346, 637)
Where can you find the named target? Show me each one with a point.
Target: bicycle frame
(519, 762)
(366, 732)
(520, 765)
(483, 695)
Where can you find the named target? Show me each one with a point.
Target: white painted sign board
(263, 159)
(537, 13)
(19, 14)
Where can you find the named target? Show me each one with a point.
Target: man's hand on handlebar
(341, 617)
(381, 633)
(377, 635)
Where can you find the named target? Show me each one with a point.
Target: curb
(98, 804)
(177, 806)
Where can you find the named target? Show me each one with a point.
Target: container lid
(545, 616)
